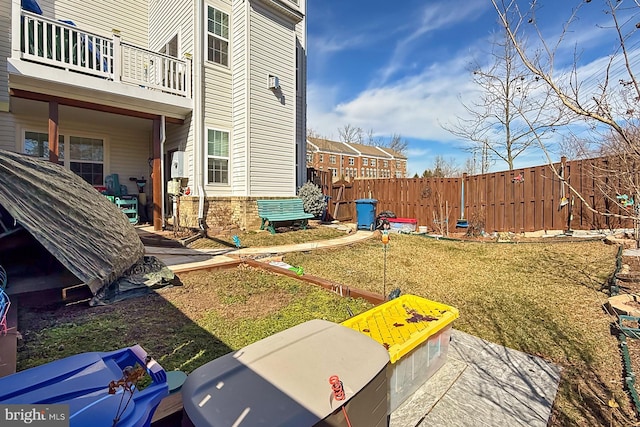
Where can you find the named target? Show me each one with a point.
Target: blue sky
(402, 69)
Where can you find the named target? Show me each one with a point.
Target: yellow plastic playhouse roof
(403, 323)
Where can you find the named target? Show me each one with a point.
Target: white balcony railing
(63, 45)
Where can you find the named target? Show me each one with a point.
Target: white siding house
(132, 83)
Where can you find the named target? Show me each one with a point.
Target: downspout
(197, 107)
(163, 138)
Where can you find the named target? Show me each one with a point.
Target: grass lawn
(541, 298)
(182, 327)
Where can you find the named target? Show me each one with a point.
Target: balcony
(60, 59)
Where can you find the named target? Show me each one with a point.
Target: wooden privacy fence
(521, 200)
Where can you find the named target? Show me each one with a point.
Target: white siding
(170, 17)
(301, 98)
(217, 100)
(5, 51)
(7, 132)
(167, 18)
(103, 16)
(180, 137)
(239, 59)
(272, 127)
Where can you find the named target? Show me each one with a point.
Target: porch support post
(54, 149)
(156, 177)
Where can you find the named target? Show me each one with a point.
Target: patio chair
(5, 303)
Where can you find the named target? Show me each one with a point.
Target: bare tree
(396, 143)
(349, 133)
(442, 168)
(470, 166)
(312, 133)
(494, 123)
(605, 102)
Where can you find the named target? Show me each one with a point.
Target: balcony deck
(58, 58)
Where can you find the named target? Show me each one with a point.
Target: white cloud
(414, 107)
(433, 17)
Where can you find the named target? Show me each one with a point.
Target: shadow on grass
(171, 338)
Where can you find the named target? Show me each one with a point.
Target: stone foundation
(221, 213)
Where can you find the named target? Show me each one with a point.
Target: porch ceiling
(50, 81)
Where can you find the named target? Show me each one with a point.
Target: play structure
(96, 386)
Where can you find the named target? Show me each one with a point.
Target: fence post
(187, 77)
(117, 57)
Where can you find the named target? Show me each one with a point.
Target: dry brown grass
(541, 298)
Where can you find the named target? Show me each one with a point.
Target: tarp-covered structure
(81, 228)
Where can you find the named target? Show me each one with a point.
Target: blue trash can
(366, 213)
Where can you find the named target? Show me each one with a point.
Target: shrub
(312, 198)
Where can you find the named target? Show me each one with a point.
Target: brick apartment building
(352, 161)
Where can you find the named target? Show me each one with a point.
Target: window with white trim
(85, 155)
(309, 157)
(352, 161)
(321, 158)
(332, 160)
(365, 162)
(385, 163)
(217, 157)
(373, 162)
(217, 36)
(86, 158)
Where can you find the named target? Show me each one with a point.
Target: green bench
(272, 212)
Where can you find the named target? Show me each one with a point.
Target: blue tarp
(31, 6)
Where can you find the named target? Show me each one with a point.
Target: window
(217, 36)
(332, 160)
(385, 163)
(365, 162)
(373, 162)
(334, 172)
(86, 158)
(398, 164)
(309, 157)
(85, 155)
(321, 158)
(217, 157)
(352, 161)
(398, 174)
(37, 144)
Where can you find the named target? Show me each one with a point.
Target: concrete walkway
(184, 258)
(481, 384)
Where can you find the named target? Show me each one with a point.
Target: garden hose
(630, 377)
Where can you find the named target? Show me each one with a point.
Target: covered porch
(97, 94)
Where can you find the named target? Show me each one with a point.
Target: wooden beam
(156, 177)
(54, 149)
(19, 93)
